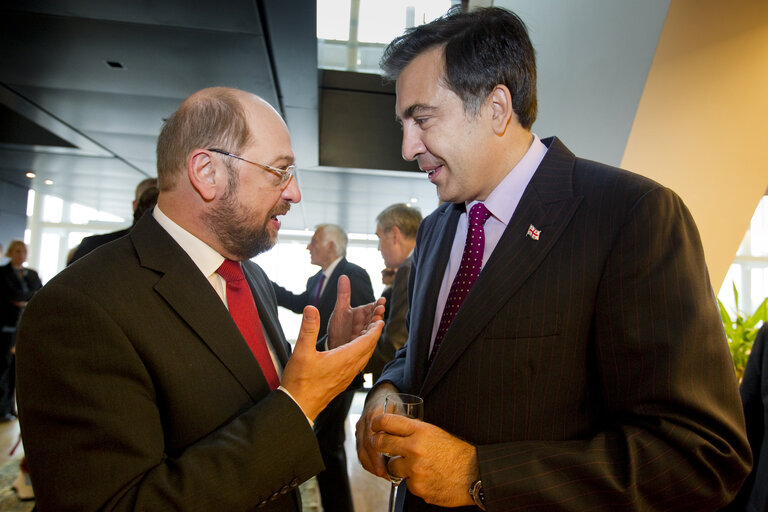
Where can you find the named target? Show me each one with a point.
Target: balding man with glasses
(157, 376)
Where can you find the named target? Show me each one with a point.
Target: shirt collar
(329, 271)
(503, 200)
(205, 257)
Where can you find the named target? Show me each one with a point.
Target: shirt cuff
(311, 423)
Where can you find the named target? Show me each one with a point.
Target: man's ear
(202, 174)
(397, 235)
(501, 109)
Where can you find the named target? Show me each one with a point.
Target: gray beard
(235, 229)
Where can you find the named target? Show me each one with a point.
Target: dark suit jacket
(90, 243)
(11, 290)
(395, 333)
(360, 284)
(589, 367)
(753, 497)
(143, 395)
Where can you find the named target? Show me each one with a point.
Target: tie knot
(478, 214)
(230, 271)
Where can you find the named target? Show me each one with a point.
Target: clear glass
(402, 404)
(285, 175)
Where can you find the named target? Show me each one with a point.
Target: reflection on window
(749, 270)
(352, 34)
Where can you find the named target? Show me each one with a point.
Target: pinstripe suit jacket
(137, 391)
(589, 367)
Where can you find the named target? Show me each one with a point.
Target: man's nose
(412, 143)
(291, 192)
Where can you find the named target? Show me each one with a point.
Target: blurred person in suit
(17, 286)
(387, 279)
(753, 496)
(145, 198)
(328, 250)
(396, 228)
(563, 331)
(172, 388)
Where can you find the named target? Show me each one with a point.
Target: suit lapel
(436, 247)
(191, 296)
(261, 289)
(548, 204)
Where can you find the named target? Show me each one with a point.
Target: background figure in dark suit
(161, 387)
(144, 200)
(17, 286)
(328, 249)
(387, 279)
(577, 360)
(396, 227)
(753, 496)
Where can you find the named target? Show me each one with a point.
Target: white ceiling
(593, 58)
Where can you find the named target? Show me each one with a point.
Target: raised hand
(314, 378)
(347, 323)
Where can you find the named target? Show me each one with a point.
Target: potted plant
(741, 330)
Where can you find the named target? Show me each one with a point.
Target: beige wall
(702, 123)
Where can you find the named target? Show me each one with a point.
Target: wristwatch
(476, 491)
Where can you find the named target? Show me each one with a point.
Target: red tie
(246, 316)
(469, 269)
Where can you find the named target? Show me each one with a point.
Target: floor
(369, 493)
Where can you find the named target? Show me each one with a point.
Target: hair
(482, 48)
(334, 233)
(406, 218)
(214, 118)
(145, 202)
(143, 186)
(13, 245)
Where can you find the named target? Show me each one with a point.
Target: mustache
(281, 208)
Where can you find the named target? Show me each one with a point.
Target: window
(352, 34)
(749, 270)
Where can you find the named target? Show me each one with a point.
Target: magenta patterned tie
(471, 261)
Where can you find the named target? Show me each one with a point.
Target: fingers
(359, 350)
(395, 425)
(343, 293)
(310, 326)
(371, 460)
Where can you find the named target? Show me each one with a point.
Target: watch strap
(477, 493)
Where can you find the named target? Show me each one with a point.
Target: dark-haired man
(563, 331)
(171, 388)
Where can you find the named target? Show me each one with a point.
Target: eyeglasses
(285, 175)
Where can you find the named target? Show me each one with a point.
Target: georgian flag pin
(533, 232)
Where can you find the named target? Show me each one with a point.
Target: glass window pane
(380, 22)
(726, 291)
(52, 209)
(333, 19)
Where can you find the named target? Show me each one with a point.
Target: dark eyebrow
(416, 109)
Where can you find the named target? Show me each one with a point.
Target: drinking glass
(407, 405)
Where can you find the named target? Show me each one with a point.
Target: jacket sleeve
(395, 333)
(290, 300)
